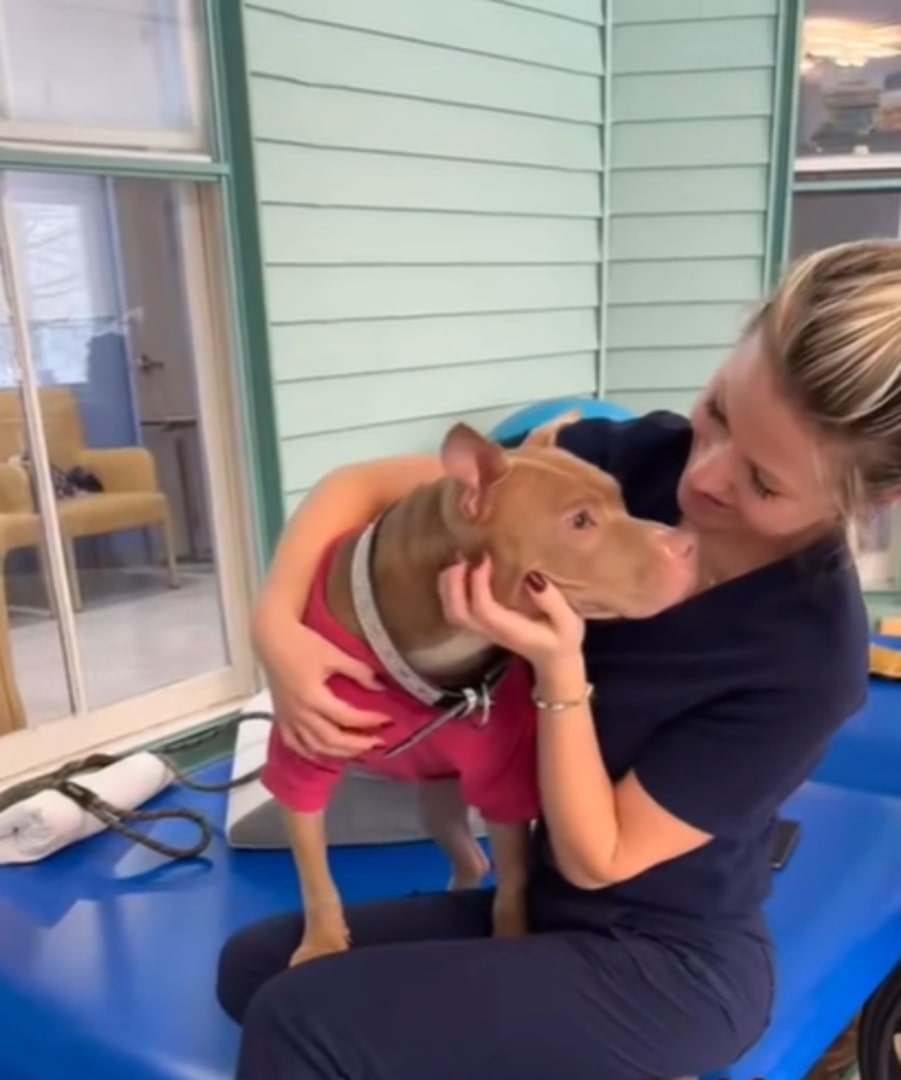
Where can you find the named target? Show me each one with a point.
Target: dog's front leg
(510, 848)
(325, 930)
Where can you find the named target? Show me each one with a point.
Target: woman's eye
(715, 412)
(582, 520)
(760, 488)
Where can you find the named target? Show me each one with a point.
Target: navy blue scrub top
(722, 705)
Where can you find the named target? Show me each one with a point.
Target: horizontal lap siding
(429, 177)
(692, 104)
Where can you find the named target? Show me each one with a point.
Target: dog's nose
(679, 543)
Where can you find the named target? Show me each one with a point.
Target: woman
(649, 955)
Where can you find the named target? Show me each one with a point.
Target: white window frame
(847, 163)
(182, 707)
(125, 142)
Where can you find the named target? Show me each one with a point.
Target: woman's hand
(552, 637)
(313, 721)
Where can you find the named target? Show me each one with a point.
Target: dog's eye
(582, 520)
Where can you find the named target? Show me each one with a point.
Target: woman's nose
(711, 472)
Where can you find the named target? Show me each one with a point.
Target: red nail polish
(535, 581)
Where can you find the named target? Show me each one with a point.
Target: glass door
(125, 593)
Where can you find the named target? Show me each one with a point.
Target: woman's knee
(250, 958)
(287, 1035)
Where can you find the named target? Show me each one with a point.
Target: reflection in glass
(33, 682)
(114, 72)
(821, 219)
(850, 102)
(114, 360)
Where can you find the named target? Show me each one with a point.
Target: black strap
(123, 821)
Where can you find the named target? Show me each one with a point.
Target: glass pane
(33, 683)
(820, 220)
(114, 359)
(850, 100)
(110, 72)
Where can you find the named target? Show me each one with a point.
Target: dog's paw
(510, 916)
(324, 944)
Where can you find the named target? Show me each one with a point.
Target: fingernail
(536, 581)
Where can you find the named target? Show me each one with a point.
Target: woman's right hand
(313, 721)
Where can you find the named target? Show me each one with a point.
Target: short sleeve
(728, 769)
(594, 440)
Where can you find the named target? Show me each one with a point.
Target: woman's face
(754, 467)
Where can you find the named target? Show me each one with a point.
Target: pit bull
(462, 713)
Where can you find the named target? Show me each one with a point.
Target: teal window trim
(789, 27)
(41, 159)
(246, 271)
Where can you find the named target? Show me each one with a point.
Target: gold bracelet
(562, 706)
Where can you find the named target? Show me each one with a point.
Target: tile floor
(135, 635)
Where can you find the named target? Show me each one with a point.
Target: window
(126, 550)
(848, 175)
(850, 93)
(103, 73)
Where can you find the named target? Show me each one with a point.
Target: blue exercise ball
(515, 427)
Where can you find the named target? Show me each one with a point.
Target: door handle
(146, 364)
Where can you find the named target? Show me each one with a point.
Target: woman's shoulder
(646, 455)
(610, 443)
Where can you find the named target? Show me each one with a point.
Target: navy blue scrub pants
(425, 994)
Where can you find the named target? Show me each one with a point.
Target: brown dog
(534, 509)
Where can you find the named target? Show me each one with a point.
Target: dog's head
(540, 508)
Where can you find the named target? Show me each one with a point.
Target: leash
(125, 822)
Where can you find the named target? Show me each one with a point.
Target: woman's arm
(600, 833)
(345, 499)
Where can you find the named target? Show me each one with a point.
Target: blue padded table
(866, 752)
(835, 915)
(108, 953)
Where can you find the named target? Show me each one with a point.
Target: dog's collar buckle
(468, 701)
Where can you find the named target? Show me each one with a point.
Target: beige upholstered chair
(131, 499)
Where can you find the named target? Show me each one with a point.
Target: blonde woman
(649, 954)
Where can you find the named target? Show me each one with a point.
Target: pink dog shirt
(496, 764)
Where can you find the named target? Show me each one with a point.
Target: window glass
(103, 72)
(850, 99)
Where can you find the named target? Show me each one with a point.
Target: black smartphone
(785, 840)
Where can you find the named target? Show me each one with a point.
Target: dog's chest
(457, 653)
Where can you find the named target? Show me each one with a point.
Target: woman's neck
(724, 556)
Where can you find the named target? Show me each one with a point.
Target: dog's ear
(546, 434)
(475, 461)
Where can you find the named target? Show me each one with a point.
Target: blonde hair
(833, 329)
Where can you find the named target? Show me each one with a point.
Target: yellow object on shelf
(885, 662)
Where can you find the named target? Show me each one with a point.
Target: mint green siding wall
(429, 177)
(692, 103)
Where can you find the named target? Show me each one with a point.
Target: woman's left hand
(555, 633)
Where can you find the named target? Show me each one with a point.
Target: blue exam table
(108, 953)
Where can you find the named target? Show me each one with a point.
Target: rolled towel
(42, 824)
